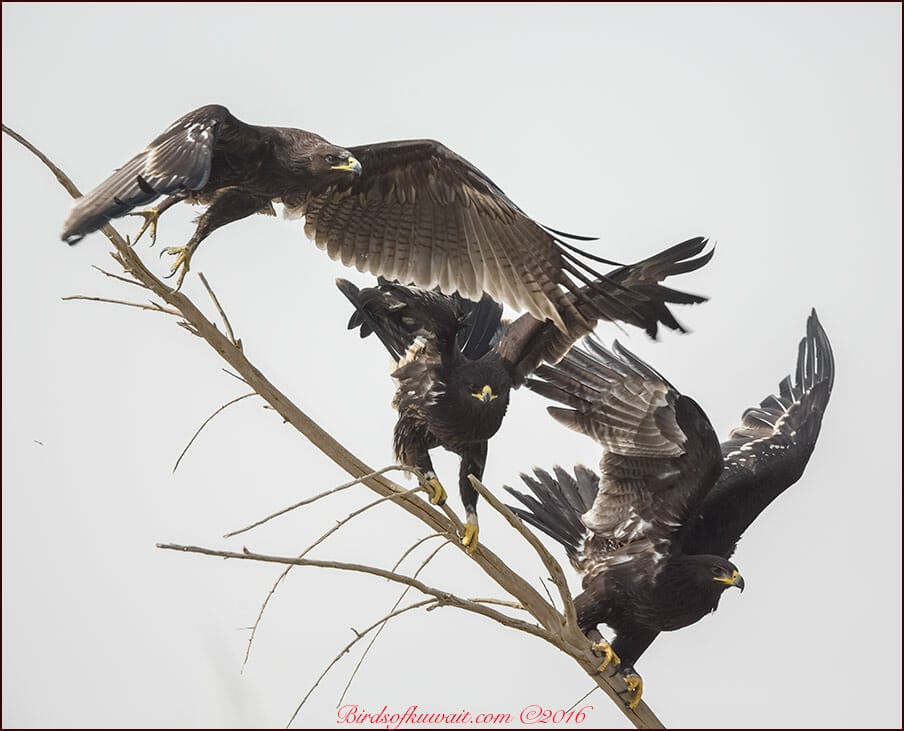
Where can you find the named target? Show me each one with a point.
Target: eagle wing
(178, 159)
(768, 452)
(631, 294)
(420, 213)
(660, 455)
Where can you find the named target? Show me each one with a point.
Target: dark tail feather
(557, 503)
(370, 317)
(398, 313)
(645, 278)
(481, 326)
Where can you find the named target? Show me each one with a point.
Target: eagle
(653, 535)
(456, 361)
(410, 210)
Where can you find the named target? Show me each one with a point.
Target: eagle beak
(486, 395)
(351, 165)
(735, 580)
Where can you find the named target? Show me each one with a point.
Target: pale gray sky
(775, 130)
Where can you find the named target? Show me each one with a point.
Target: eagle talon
(609, 656)
(182, 263)
(469, 539)
(634, 684)
(437, 492)
(150, 217)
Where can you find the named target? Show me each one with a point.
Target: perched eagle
(456, 361)
(653, 535)
(412, 210)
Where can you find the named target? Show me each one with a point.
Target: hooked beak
(486, 395)
(351, 165)
(735, 580)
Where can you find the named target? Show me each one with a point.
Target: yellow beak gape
(352, 165)
(486, 395)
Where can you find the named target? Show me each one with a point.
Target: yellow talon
(634, 684)
(609, 656)
(437, 492)
(183, 260)
(150, 222)
(469, 539)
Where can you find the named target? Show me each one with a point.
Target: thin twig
(127, 280)
(315, 498)
(153, 306)
(582, 698)
(333, 529)
(216, 303)
(379, 631)
(355, 514)
(206, 422)
(567, 638)
(555, 570)
(413, 547)
(358, 637)
(260, 615)
(445, 596)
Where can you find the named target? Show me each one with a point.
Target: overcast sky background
(775, 130)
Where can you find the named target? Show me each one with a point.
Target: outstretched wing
(768, 452)
(420, 213)
(660, 455)
(179, 159)
(631, 294)
(400, 314)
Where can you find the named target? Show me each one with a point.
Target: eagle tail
(557, 504)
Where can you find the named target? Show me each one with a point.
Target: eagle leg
(473, 462)
(152, 215)
(230, 204)
(634, 687)
(609, 656)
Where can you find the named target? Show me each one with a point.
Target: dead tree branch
(557, 629)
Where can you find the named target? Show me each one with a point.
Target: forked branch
(552, 626)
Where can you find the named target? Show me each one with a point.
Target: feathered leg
(229, 205)
(473, 462)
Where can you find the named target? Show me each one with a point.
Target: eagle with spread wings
(456, 361)
(411, 210)
(653, 534)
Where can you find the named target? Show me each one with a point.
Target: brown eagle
(411, 210)
(456, 361)
(653, 534)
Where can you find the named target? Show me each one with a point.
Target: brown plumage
(456, 361)
(411, 210)
(653, 530)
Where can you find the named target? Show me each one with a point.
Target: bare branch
(216, 303)
(379, 631)
(207, 421)
(445, 596)
(127, 280)
(553, 627)
(413, 547)
(152, 306)
(546, 557)
(358, 637)
(315, 498)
